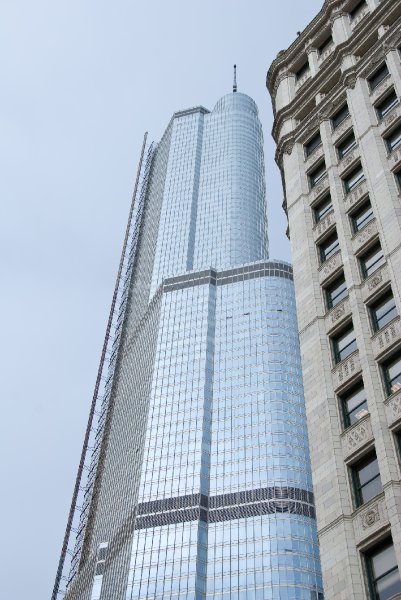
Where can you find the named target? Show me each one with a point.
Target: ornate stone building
(336, 97)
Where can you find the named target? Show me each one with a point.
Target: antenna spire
(235, 79)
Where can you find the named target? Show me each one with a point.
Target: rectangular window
(328, 247)
(354, 405)
(313, 143)
(317, 175)
(325, 45)
(336, 292)
(398, 179)
(322, 209)
(392, 375)
(372, 260)
(366, 479)
(394, 139)
(302, 71)
(382, 570)
(383, 311)
(356, 11)
(339, 116)
(378, 76)
(362, 217)
(386, 105)
(353, 179)
(344, 344)
(346, 146)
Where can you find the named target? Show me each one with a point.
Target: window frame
(337, 353)
(356, 483)
(379, 113)
(374, 307)
(314, 182)
(299, 73)
(344, 398)
(392, 148)
(369, 252)
(333, 119)
(342, 153)
(322, 256)
(372, 78)
(327, 42)
(329, 299)
(350, 188)
(308, 152)
(354, 216)
(387, 381)
(327, 198)
(368, 560)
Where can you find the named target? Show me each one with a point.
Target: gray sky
(81, 82)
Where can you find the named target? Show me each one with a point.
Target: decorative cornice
(348, 79)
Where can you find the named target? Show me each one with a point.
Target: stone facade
(339, 54)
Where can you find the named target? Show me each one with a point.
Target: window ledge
(345, 371)
(387, 337)
(364, 237)
(356, 437)
(337, 315)
(393, 409)
(370, 518)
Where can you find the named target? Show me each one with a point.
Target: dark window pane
(394, 139)
(386, 105)
(355, 406)
(313, 144)
(378, 76)
(340, 116)
(357, 9)
(385, 579)
(322, 209)
(372, 261)
(383, 312)
(346, 146)
(353, 179)
(362, 217)
(325, 45)
(336, 292)
(367, 480)
(301, 71)
(317, 175)
(329, 247)
(344, 345)
(392, 373)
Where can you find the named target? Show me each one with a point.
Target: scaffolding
(85, 480)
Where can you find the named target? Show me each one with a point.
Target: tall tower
(201, 483)
(336, 96)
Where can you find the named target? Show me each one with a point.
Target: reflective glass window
(394, 139)
(353, 179)
(354, 405)
(367, 482)
(362, 217)
(317, 175)
(387, 105)
(383, 311)
(383, 572)
(340, 116)
(346, 146)
(372, 260)
(313, 143)
(328, 247)
(322, 209)
(336, 292)
(378, 76)
(344, 344)
(392, 375)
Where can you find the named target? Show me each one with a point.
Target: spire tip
(235, 79)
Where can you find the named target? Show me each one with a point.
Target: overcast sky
(81, 81)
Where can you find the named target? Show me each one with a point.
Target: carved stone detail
(350, 79)
(394, 408)
(365, 235)
(370, 517)
(320, 188)
(359, 18)
(351, 199)
(318, 153)
(375, 282)
(330, 266)
(345, 125)
(348, 160)
(323, 226)
(385, 84)
(346, 369)
(386, 337)
(357, 436)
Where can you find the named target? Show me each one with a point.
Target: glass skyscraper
(202, 479)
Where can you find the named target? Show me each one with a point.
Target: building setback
(336, 99)
(203, 483)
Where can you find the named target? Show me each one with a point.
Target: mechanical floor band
(225, 507)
